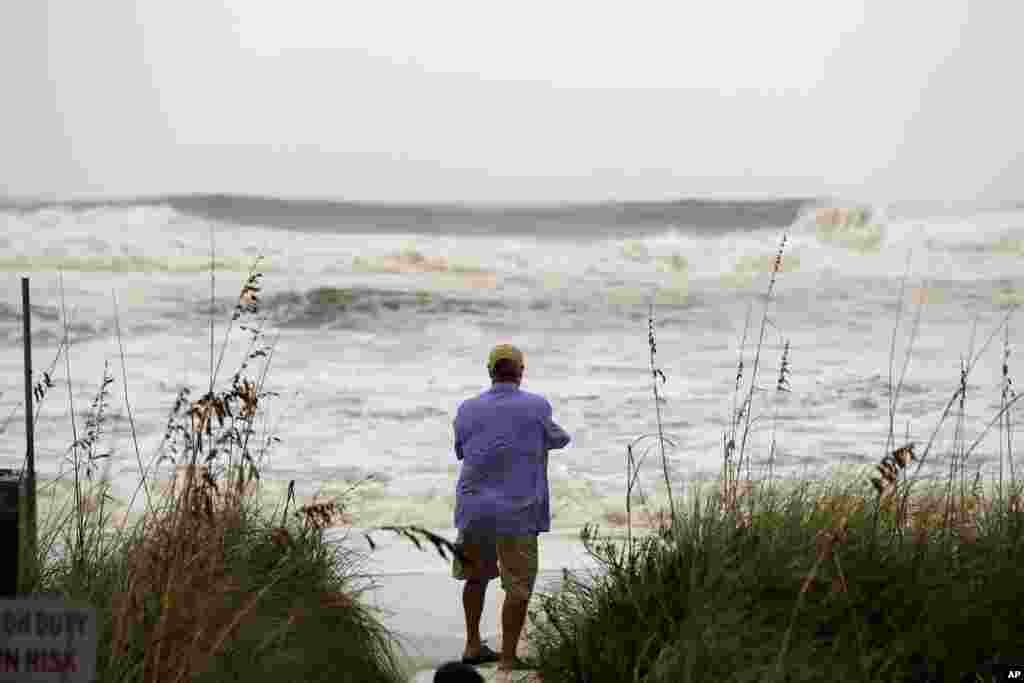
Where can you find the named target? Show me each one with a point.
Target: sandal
(486, 656)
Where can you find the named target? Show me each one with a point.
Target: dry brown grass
(182, 601)
(320, 514)
(204, 581)
(179, 563)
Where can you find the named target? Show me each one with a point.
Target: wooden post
(29, 544)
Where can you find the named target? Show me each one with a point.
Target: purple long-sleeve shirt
(502, 438)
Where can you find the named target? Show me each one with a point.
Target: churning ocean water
(385, 317)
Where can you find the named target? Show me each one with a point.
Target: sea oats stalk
(776, 266)
(1004, 410)
(213, 288)
(956, 457)
(633, 478)
(213, 406)
(630, 467)
(895, 393)
(892, 353)
(729, 440)
(889, 470)
(952, 401)
(655, 373)
(143, 473)
(1006, 392)
(248, 303)
(781, 386)
(958, 438)
(71, 402)
(39, 391)
(632, 463)
(250, 394)
(960, 454)
(189, 531)
(174, 426)
(84, 459)
(202, 413)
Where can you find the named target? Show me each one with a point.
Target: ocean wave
(410, 260)
(678, 295)
(541, 304)
(357, 410)
(340, 305)
(70, 216)
(125, 263)
(865, 394)
(747, 267)
(48, 327)
(113, 239)
(418, 413)
(52, 336)
(854, 228)
(556, 221)
(1008, 243)
(619, 370)
(561, 221)
(12, 313)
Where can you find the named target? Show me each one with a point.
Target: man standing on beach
(502, 499)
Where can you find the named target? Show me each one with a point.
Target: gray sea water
(383, 319)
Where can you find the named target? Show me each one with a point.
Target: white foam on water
(373, 384)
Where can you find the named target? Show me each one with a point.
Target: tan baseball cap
(504, 352)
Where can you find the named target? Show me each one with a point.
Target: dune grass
(206, 584)
(850, 577)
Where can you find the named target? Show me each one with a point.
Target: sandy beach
(422, 604)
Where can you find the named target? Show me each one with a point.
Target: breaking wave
(859, 229)
(335, 306)
(125, 264)
(111, 239)
(411, 261)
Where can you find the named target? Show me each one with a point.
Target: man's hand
(554, 436)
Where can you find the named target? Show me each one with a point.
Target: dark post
(9, 500)
(30, 455)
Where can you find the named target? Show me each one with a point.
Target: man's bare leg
(513, 616)
(473, 594)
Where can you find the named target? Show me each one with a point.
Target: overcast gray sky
(506, 101)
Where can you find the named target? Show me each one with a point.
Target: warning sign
(47, 640)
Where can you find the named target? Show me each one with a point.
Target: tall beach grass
(857, 576)
(206, 582)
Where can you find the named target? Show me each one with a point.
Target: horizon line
(43, 201)
(37, 202)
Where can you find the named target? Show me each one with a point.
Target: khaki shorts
(515, 556)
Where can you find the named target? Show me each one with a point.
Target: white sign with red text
(46, 640)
